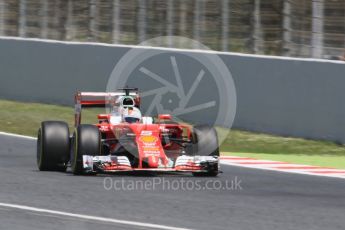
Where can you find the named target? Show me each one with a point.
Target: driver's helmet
(131, 114)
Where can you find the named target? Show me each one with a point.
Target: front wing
(184, 163)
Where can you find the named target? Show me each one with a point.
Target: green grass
(25, 118)
(293, 150)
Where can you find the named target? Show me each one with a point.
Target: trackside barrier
(285, 96)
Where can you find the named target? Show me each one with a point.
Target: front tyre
(206, 144)
(53, 146)
(86, 141)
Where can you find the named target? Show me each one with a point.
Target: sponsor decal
(148, 139)
(149, 148)
(146, 133)
(151, 153)
(153, 158)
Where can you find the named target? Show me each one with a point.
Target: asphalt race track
(264, 200)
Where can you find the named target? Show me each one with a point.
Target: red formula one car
(123, 140)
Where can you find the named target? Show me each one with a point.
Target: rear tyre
(206, 144)
(86, 141)
(53, 146)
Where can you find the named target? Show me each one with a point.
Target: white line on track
(281, 170)
(17, 135)
(87, 217)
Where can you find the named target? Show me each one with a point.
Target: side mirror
(102, 116)
(164, 117)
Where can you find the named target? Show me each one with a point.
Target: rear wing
(100, 99)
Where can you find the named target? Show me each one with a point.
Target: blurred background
(296, 28)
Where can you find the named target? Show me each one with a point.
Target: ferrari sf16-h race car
(122, 140)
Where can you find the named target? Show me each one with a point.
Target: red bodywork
(153, 153)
